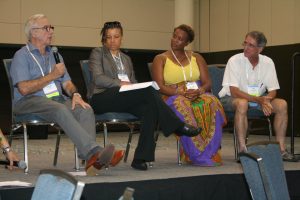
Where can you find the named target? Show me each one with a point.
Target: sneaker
(99, 160)
(286, 156)
(117, 157)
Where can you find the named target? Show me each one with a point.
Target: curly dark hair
(190, 32)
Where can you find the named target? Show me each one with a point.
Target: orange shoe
(117, 157)
(99, 159)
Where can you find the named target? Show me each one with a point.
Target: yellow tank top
(173, 73)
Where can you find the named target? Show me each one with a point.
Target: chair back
(150, 69)
(87, 77)
(216, 73)
(28, 118)
(264, 172)
(7, 65)
(53, 184)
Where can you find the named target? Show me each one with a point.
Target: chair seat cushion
(253, 113)
(29, 118)
(116, 117)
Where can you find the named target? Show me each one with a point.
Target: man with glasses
(250, 80)
(39, 81)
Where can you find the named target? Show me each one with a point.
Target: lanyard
(182, 67)
(121, 66)
(38, 62)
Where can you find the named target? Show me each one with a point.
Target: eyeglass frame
(46, 28)
(249, 45)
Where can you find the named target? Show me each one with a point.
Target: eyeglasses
(114, 24)
(249, 45)
(46, 28)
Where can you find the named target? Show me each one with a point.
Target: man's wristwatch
(76, 94)
(6, 149)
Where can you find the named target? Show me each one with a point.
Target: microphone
(55, 53)
(20, 164)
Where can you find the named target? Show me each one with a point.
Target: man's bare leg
(280, 121)
(241, 121)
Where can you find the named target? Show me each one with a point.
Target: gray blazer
(105, 72)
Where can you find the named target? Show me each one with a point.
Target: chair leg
(105, 134)
(270, 129)
(56, 148)
(105, 137)
(25, 149)
(10, 137)
(76, 167)
(247, 132)
(128, 142)
(156, 134)
(156, 137)
(178, 153)
(236, 148)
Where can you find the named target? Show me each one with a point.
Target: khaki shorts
(228, 106)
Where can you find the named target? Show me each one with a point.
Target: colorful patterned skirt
(207, 112)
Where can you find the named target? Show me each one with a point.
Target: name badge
(51, 90)
(253, 90)
(123, 77)
(191, 86)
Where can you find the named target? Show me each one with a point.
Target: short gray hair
(259, 37)
(31, 22)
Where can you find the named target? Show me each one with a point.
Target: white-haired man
(39, 82)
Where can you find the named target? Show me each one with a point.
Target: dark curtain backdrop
(281, 56)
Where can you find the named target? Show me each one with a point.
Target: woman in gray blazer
(110, 69)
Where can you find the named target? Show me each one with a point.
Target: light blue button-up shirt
(24, 68)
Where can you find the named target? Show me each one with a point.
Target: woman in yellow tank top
(185, 85)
